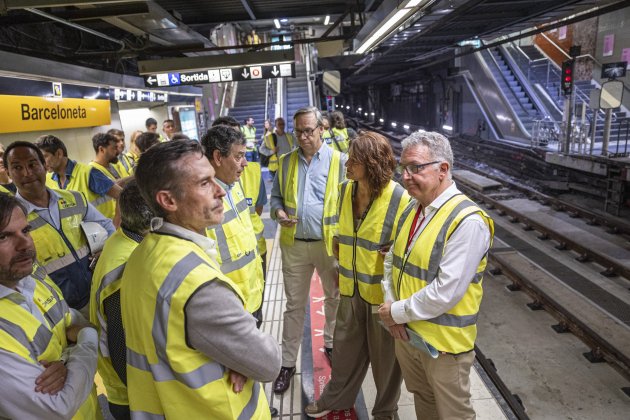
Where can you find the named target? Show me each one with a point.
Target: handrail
(551, 41)
(480, 104)
(524, 82)
(494, 61)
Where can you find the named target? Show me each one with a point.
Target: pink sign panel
(625, 56)
(562, 32)
(609, 45)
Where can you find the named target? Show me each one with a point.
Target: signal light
(567, 77)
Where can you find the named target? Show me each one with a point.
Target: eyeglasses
(413, 168)
(308, 131)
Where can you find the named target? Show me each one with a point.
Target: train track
(602, 347)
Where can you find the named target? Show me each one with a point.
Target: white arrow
(275, 71)
(320, 311)
(245, 74)
(318, 299)
(318, 333)
(151, 80)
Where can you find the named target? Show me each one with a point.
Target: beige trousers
(440, 387)
(299, 261)
(359, 341)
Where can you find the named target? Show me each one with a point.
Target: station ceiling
(124, 31)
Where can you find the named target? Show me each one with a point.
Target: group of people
(175, 296)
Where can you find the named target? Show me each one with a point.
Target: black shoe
(282, 382)
(274, 411)
(328, 352)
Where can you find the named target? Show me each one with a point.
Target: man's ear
(216, 157)
(166, 200)
(444, 166)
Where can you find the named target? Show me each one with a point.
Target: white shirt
(462, 253)
(19, 400)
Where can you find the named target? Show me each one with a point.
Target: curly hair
(374, 152)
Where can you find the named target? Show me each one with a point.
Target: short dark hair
(146, 140)
(8, 203)
(102, 140)
(149, 122)
(337, 120)
(179, 136)
(20, 143)
(135, 214)
(158, 169)
(116, 132)
(231, 121)
(50, 144)
(221, 138)
(168, 121)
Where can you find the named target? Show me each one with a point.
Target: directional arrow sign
(245, 74)
(217, 75)
(151, 80)
(275, 71)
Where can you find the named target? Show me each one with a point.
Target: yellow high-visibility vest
(238, 254)
(288, 179)
(107, 207)
(63, 253)
(456, 330)
(106, 282)
(250, 180)
(360, 262)
(340, 139)
(123, 166)
(167, 378)
(80, 181)
(5, 191)
(22, 334)
(273, 159)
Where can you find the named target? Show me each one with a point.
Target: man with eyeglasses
(304, 201)
(433, 280)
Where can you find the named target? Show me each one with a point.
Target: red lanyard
(414, 227)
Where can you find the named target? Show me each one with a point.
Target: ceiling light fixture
(277, 23)
(394, 21)
(327, 20)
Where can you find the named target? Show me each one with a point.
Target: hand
(398, 332)
(283, 219)
(238, 381)
(385, 312)
(52, 380)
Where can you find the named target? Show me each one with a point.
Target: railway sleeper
(561, 327)
(594, 356)
(536, 305)
(583, 258)
(609, 272)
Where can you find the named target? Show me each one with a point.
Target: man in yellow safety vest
(433, 280)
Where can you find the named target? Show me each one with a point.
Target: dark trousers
(119, 412)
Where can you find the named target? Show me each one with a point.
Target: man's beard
(10, 275)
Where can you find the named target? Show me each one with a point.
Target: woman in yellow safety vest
(370, 206)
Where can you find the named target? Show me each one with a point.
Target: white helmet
(96, 236)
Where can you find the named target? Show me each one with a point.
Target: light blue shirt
(312, 180)
(51, 213)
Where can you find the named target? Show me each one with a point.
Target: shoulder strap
(275, 139)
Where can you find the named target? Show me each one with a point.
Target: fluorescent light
(348, 107)
(284, 20)
(406, 126)
(360, 109)
(381, 120)
(277, 23)
(327, 20)
(394, 124)
(371, 113)
(447, 127)
(402, 13)
(366, 114)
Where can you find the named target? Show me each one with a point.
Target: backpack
(264, 159)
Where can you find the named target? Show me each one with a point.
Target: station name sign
(218, 75)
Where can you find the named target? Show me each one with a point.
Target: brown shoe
(282, 382)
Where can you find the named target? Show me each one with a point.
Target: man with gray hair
(433, 280)
(105, 296)
(304, 200)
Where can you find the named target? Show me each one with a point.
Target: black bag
(264, 159)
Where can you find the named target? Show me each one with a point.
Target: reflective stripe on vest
(237, 245)
(454, 331)
(5, 191)
(166, 377)
(288, 180)
(360, 262)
